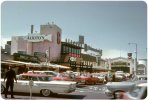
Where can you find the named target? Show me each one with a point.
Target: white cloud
(113, 53)
(4, 41)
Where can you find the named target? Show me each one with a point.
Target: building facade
(121, 64)
(46, 44)
(142, 66)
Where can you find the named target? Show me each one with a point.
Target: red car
(87, 80)
(62, 77)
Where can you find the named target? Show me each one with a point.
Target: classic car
(120, 75)
(138, 92)
(101, 77)
(42, 84)
(62, 76)
(124, 86)
(114, 87)
(87, 80)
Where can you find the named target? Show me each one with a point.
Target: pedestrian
(113, 78)
(10, 76)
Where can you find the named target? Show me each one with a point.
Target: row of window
(66, 49)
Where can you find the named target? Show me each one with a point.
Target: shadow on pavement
(68, 96)
(59, 96)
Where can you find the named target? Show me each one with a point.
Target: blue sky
(109, 26)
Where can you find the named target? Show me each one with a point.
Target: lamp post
(135, 57)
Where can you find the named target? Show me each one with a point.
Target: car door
(20, 86)
(35, 87)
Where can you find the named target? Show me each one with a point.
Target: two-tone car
(42, 83)
(137, 93)
(124, 86)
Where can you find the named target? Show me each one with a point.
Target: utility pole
(135, 62)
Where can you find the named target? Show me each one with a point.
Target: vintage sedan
(137, 93)
(114, 87)
(42, 84)
(125, 86)
(87, 80)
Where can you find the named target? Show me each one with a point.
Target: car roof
(32, 74)
(40, 71)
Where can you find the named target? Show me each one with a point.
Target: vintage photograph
(73, 50)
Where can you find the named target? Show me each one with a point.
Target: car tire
(2, 89)
(45, 92)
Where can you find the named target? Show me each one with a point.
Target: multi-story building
(46, 44)
(91, 55)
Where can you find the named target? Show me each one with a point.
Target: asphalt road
(82, 92)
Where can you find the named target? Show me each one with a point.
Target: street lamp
(135, 57)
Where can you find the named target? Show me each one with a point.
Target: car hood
(112, 86)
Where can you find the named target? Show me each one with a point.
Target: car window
(23, 77)
(45, 78)
(33, 78)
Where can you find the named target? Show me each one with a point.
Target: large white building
(121, 64)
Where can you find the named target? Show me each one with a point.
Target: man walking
(10, 76)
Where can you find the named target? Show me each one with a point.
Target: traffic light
(129, 55)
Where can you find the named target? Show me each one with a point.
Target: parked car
(101, 78)
(64, 77)
(120, 75)
(87, 79)
(138, 92)
(42, 84)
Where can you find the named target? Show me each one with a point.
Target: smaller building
(142, 66)
(121, 64)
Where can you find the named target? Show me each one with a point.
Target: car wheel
(45, 92)
(2, 89)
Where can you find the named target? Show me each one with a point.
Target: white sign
(37, 37)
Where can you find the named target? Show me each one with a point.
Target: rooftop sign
(37, 37)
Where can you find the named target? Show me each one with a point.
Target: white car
(125, 86)
(137, 93)
(42, 83)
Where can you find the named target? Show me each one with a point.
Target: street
(82, 92)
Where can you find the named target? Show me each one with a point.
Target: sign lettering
(37, 37)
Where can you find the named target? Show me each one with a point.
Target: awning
(59, 66)
(21, 63)
(10, 63)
